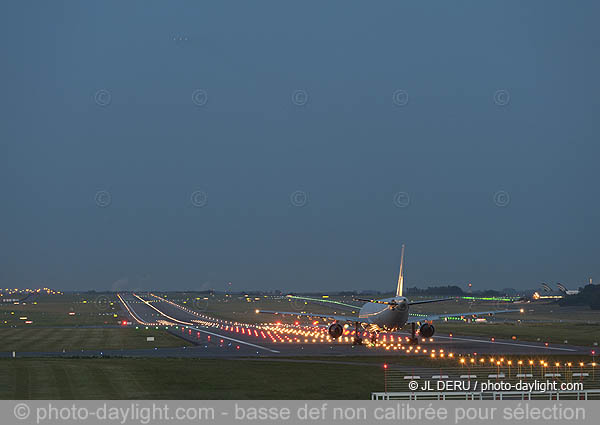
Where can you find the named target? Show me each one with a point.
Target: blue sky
(296, 146)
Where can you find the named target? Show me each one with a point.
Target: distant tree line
(452, 290)
(448, 290)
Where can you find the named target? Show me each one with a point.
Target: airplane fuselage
(386, 317)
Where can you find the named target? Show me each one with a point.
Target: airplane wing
(439, 300)
(338, 318)
(431, 317)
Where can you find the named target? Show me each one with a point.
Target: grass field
(293, 378)
(71, 339)
(63, 310)
(183, 379)
(555, 333)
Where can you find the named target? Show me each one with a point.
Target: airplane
(562, 288)
(387, 314)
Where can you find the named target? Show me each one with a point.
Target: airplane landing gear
(357, 339)
(413, 333)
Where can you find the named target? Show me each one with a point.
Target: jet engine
(426, 330)
(335, 330)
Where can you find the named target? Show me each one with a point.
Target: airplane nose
(402, 305)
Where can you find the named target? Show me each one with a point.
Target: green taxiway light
(489, 298)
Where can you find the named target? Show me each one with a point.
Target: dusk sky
(298, 145)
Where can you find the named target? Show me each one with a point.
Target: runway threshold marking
(190, 324)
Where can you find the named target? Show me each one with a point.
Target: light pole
(520, 363)
(531, 367)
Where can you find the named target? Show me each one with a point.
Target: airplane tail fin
(401, 275)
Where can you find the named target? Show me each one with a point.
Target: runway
(219, 338)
